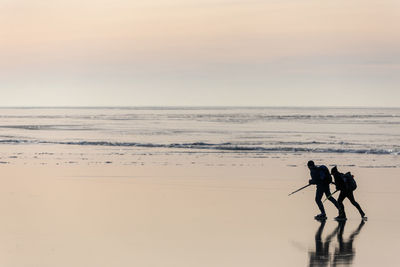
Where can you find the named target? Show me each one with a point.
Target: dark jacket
(320, 175)
(339, 181)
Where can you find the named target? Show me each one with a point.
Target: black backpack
(349, 181)
(325, 175)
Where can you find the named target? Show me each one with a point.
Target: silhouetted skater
(346, 184)
(321, 177)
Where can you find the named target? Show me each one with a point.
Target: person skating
(346, 184)
(321, 177)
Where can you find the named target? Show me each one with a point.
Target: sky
(200, 53)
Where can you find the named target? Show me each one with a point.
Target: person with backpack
(321, 177)
(346, 184)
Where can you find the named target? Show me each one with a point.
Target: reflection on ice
(344, 251)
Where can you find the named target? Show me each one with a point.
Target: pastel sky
(200, 52)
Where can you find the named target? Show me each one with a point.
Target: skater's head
(334, 170)
(311, 164)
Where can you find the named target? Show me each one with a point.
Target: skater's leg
(331, 199)
(341, 197)
(318, 196)
(350, 196)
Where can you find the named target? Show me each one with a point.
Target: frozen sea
(175, 186)
(81, 135)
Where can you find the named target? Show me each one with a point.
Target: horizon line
(187, 106)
